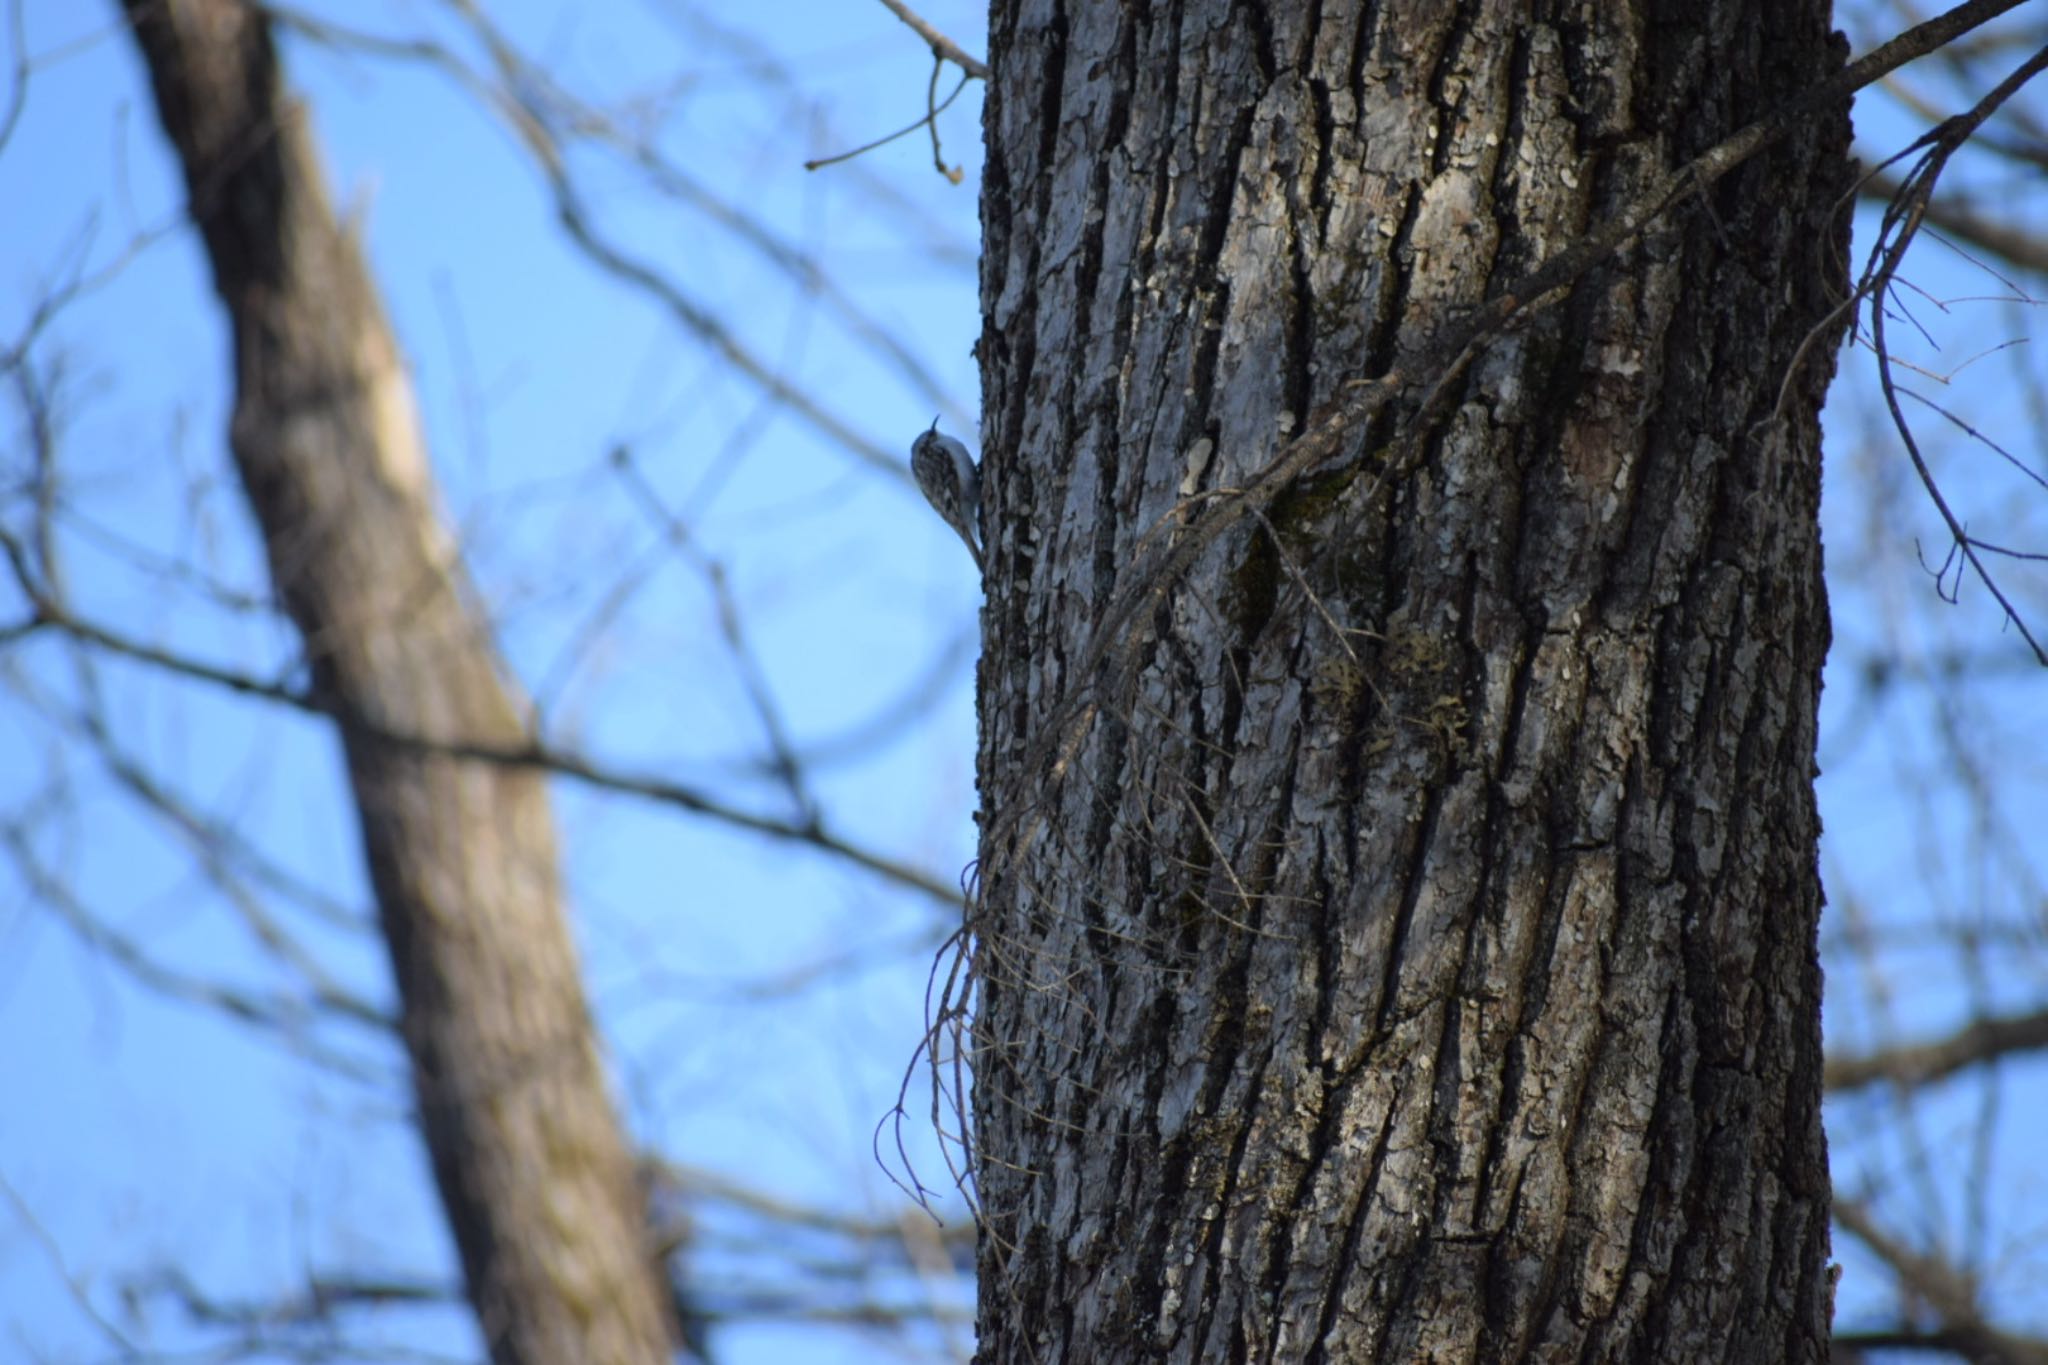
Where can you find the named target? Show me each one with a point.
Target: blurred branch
(1952, 214)
(532, 754)
(74, 1285)
(786, 766)
(745, 1255)
(939, 675)
(1951, 1295)
(323, 1297)
(77, 282)
(1980, 1041)
(701, 1186)
(772, 1267)
(289, 1015)
(1855, 1348)
(17, 73)
(225, 855)
(545, 119)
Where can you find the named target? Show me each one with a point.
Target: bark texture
(1413, 957)
(533, 1170)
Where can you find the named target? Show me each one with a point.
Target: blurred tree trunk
(1399, 941)
(533, 1170)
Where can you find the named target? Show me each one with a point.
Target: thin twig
(533, 753)
(942, 46)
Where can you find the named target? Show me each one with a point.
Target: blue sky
(148, 1131)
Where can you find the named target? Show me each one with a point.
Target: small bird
(951, 482)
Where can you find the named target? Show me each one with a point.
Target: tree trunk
(1397, 935)
(533, 1170)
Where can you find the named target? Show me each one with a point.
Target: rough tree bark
(1399, 941)
(533, 1170)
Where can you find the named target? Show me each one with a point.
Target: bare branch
(74, 1285)
(1943, 1288)
(534, 108)
(1901, 224)
(1978, 1042)
(943, 47)
(533, 754)
(1957, 216)
(289, 1016)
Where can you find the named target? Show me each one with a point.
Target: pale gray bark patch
(1415, 957)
